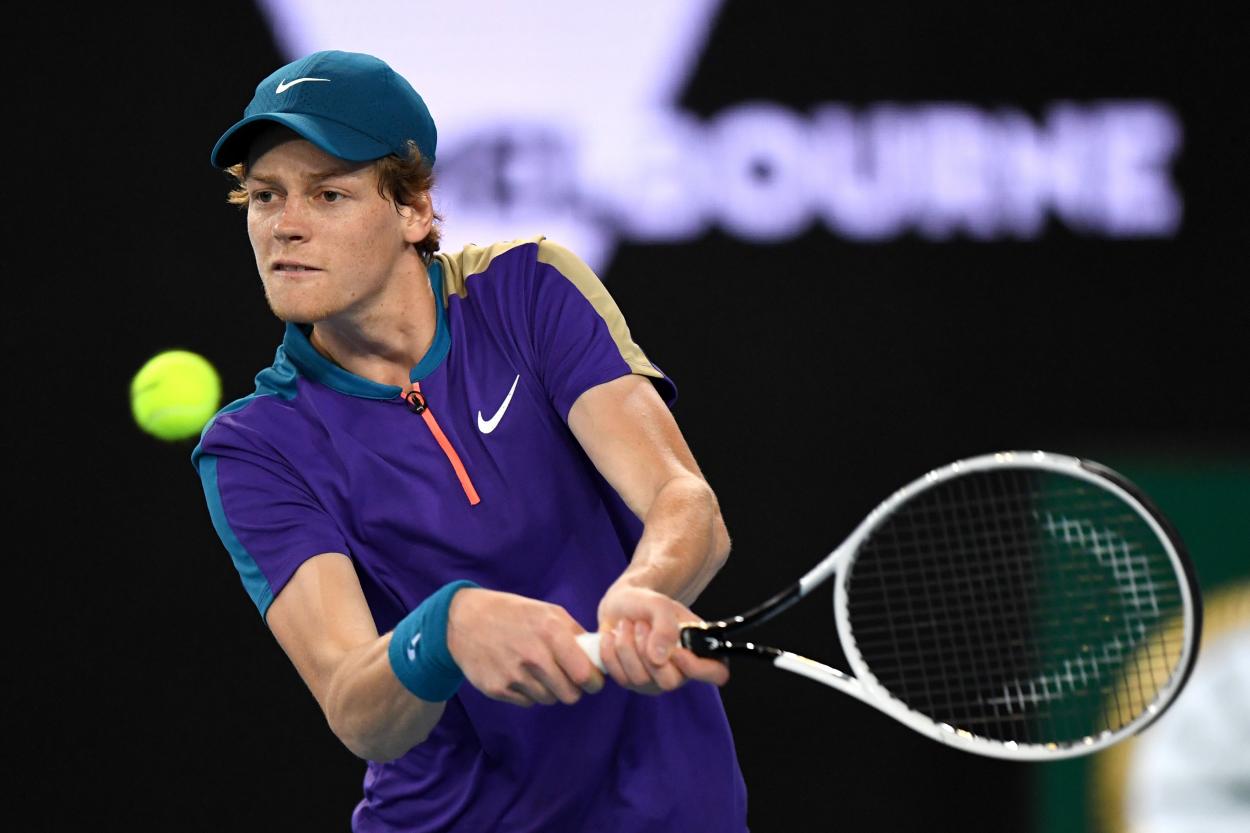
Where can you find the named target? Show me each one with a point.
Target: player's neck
(383, 340)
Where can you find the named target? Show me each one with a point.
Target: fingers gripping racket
(1020, 605)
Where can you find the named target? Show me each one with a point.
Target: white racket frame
(865, 687)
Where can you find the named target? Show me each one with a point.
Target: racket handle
(589, 643)
(694, 638)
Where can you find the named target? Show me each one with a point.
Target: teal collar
(318, 368)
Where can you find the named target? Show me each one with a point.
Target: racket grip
(589, 643)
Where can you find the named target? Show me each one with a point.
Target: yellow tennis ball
(174, 394)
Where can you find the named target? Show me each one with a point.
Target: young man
(468, 455)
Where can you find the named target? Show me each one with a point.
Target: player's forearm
(684, 541)
(370, 711)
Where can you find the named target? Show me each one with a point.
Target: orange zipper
(418, 405)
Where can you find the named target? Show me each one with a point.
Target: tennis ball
(174, 394)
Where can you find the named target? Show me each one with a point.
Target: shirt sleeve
(266, 516)
(580, 336)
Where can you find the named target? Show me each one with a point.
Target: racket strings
(1024, 606)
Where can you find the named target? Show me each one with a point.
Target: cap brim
(334, 138)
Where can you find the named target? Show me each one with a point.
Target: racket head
(1022, 605)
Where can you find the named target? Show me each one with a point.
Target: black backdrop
(815, 377)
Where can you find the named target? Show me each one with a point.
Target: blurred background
(864, 240)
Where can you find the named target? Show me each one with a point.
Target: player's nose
(292, 222)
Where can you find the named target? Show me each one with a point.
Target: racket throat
(714, 639)
(712, 642)
(757, 615)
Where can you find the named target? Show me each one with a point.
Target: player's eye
(262, 197)
(331, 196)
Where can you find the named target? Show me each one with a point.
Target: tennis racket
(1020, 605)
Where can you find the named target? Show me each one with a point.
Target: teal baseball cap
(351, 105)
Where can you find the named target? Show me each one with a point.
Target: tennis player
(457, 463)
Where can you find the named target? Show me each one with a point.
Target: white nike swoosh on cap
(488, 425)
(283, 86)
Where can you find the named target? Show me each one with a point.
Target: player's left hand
(639, 643)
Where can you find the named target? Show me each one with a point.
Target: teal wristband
(418, 650)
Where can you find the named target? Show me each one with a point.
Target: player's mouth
(293, 269)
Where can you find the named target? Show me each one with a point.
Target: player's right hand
(519, 650)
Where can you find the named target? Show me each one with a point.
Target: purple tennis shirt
(319, 460)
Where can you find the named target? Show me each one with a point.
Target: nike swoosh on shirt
(488, 425)
(283, 86)
(412, 648)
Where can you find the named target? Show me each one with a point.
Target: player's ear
(418, 217)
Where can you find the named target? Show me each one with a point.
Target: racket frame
(712, 639)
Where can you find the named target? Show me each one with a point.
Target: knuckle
(532, 658)
(553, 618)
(545, 628)
(579, 678)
